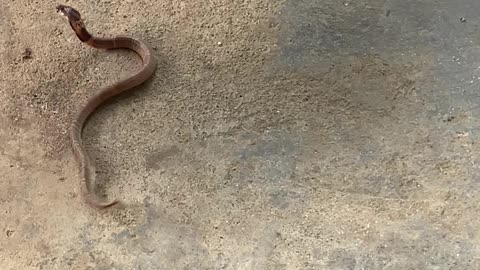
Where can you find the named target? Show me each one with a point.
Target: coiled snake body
(87, 168)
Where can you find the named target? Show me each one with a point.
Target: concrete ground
(293, 134)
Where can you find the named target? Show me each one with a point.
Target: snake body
(87, 168)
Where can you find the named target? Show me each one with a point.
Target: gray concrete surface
(275, 135)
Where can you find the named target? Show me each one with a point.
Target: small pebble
(27, 53)
(463, 19)
(10, 232)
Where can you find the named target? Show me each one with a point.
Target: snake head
(70, 13)
(75, 20)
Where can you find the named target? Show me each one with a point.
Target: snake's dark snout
(69, 12)
(60, 8)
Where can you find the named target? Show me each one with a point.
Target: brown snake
(87, 168)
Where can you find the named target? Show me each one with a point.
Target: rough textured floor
(293, 134)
